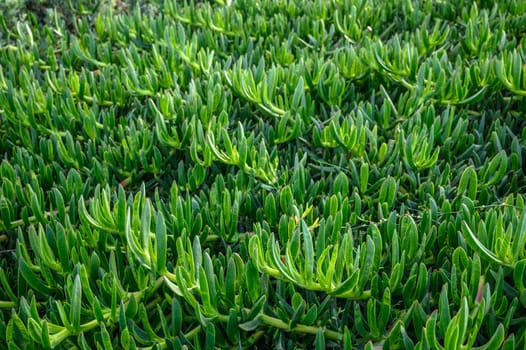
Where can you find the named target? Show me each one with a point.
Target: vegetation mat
(264, 174)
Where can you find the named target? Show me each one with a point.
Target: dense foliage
(263, 174)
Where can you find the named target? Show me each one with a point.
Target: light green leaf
(76, 304)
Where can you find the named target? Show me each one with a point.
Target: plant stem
(255, 337)
(353, 295)
(7, 304)
(277, 323)
(59, 337)
(190, 335)
(94, 323)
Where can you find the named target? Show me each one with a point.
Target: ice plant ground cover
(263, 174)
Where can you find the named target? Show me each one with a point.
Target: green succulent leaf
(262, 174)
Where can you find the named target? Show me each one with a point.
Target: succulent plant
(263, 174)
